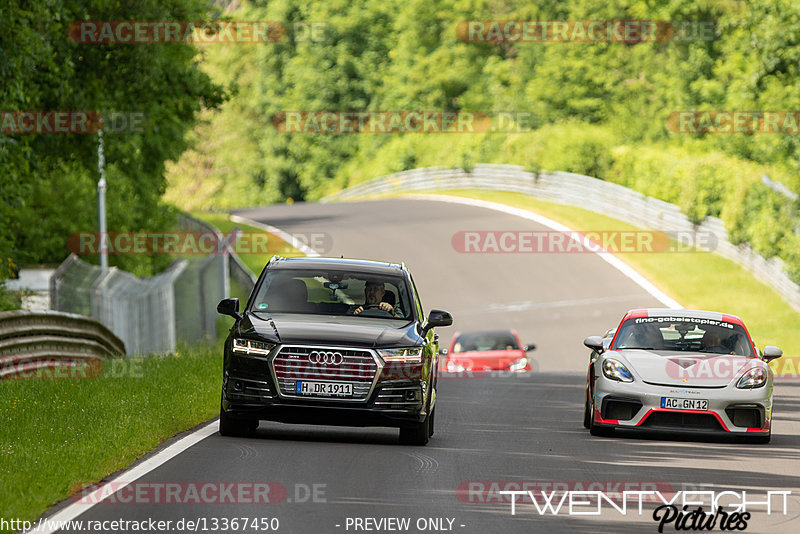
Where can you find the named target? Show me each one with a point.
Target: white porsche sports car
(681, 371)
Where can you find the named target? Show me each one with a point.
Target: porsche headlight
(519, 365)
(754, 378)
(251, 347)
(615, 370)
(404, 355)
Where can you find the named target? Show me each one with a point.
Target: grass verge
(58, 435)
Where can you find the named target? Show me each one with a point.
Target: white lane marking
(75, 509)
(286, 236)
(609, 258)
(126, 477)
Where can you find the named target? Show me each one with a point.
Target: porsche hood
(672, 368)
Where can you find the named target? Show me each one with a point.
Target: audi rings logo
(325, 358)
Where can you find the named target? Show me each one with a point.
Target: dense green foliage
(48, 181)
(599, 108)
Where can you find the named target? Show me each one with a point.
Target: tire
(234, 426)
(432, 417)
(417, 434)
(587, 411)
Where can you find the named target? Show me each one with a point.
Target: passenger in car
(713, 342)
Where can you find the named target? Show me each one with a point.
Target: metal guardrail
(32, 341)
(588, 193)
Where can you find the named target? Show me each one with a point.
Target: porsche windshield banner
(694, 320)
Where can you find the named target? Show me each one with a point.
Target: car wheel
(432, 417)
(594, 429)
(234, 426)
(587, 411)
(417, 434)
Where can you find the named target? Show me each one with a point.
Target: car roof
(672, 312)
(487, 332)
(339, 264)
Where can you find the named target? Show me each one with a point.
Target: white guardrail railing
(588, 193)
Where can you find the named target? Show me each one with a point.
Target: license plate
(684, 404)
(324, 389)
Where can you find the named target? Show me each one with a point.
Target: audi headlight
(249, 346)
(615, 370)
(405, 355)
(519, 365)
(754, 378)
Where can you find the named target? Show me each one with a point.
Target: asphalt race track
(503, 429)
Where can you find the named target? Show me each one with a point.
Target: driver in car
(373, 298)
(713, 342)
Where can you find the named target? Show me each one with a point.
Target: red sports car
(487, 350)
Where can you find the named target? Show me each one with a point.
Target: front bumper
(384, 395)
(637, 406)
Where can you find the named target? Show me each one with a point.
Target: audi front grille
(329, 364)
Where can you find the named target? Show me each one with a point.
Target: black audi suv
(334, 342)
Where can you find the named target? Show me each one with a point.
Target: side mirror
(594, 342)
(529, 347)
(229, 307)
(437, 318)
(771, 353)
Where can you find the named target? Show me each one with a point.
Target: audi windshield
(305, 291)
